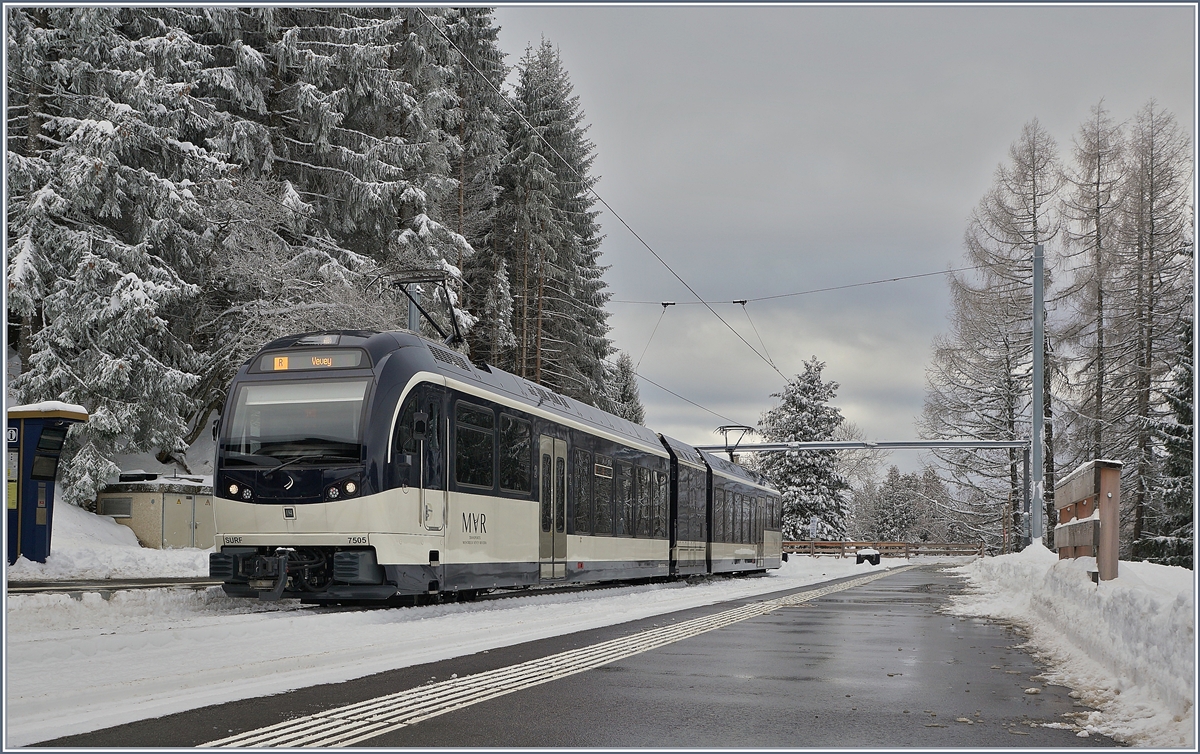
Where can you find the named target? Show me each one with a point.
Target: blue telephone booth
(35, 439)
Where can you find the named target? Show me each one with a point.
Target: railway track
(106, 587)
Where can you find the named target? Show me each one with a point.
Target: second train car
(375, 466)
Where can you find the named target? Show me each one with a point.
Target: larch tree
(814, 494)
(1091, 205)
(1152, 294)
(979, 380)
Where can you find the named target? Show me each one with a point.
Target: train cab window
(581, 490)
(645, 504)
(602, 479)
(516, 452)
(660, 504)
(475, 445)
(623, 502)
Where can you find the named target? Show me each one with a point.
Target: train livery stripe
(363, 721)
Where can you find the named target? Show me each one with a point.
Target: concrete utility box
(35, 439)
(164, 512)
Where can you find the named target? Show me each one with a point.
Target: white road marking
(358, 722)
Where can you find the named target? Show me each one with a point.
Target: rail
(886, 549)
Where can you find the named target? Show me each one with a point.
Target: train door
(552, 539)
(760, 520)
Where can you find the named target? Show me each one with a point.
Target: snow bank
(1127, 645)
(86, 546)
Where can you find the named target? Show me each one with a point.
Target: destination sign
(296, 361)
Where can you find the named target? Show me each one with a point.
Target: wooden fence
(886, 549)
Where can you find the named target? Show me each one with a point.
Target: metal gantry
(776, 447)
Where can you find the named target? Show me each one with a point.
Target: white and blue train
(381, 466)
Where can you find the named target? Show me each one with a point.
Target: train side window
(645, 491)
(581, 488)
(516, 453)
(602, 478)
(547, 493)
(623, 504)
(660, 504)
(475, 445)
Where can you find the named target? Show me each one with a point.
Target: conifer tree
(1169, 537)
(814, 494)
(547, 232)
(1152, 293)
(106, 227)
(978, 384)
(1091, 205)
(623, 388)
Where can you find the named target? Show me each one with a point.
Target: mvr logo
(474, 523)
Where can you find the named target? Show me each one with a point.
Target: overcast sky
(769, 150)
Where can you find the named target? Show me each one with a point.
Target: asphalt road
(875, 665)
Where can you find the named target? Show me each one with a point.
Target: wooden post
(1089, 503)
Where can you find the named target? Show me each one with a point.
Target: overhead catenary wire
(665, 304)
(594, 193)
(760, 339)
(744, 301)
(677, 395)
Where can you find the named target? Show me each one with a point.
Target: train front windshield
(314, 421)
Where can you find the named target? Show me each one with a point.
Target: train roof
(440, 359)
(683, 451)
(731, 469)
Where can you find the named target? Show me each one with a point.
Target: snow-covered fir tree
(547, 232)
(896, 508)
(623, 391)
(1170, 535)
(814, 494)
(105, 227)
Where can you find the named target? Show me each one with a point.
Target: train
(383, 467)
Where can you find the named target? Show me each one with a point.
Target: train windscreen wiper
(321, 457)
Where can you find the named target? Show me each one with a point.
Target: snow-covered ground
(75, 665)
(1126, 646)
(86, 546)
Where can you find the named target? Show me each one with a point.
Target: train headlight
(234, 489)
(350, 487)
(247, 493)
(332, 493)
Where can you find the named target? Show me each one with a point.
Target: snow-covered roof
(53, 409)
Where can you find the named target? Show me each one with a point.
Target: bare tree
(1091, 206)
(979, 381)
(1152, 293)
